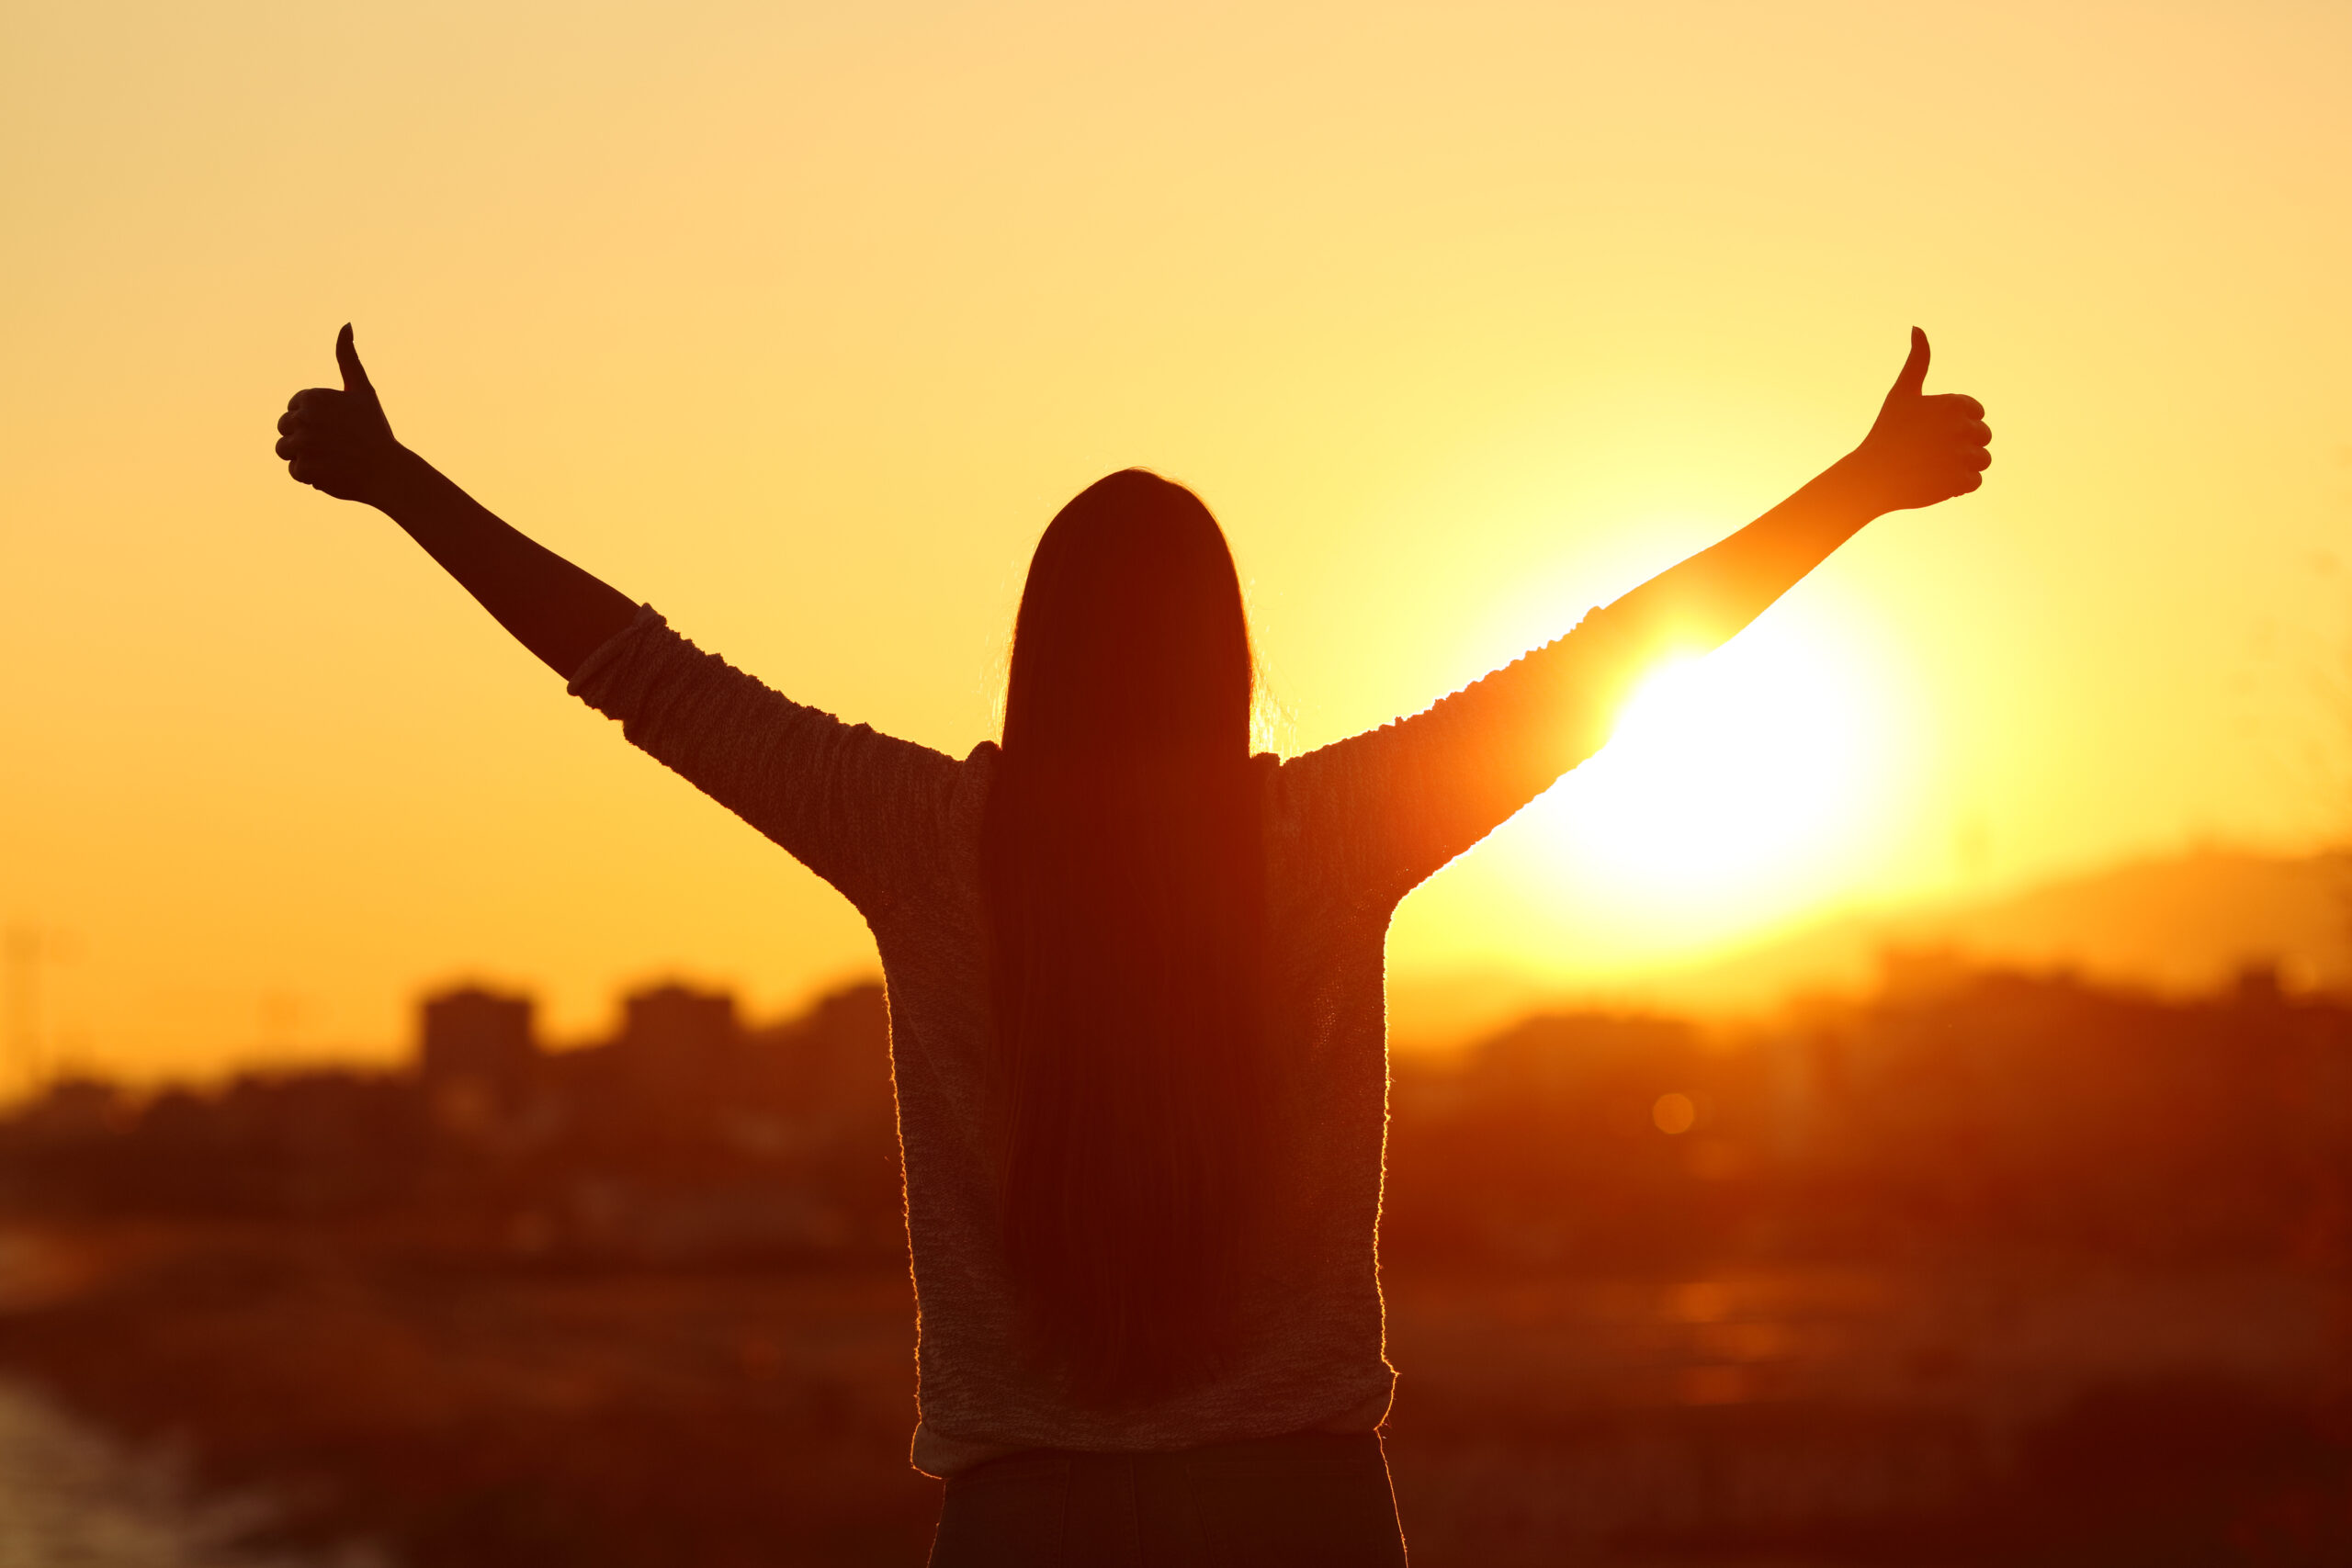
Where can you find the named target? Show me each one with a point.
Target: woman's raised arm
(1919, 451)
(1385, 809)
(341, 442)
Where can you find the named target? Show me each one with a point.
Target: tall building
(680, 1020)
(478, 1036)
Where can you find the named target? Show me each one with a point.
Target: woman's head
(1131, 636)
(1123, 869)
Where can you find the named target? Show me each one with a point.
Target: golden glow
(1736, 785)
(800, 322)
(1746, 768)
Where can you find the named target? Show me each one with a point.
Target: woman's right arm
(341, 442)
(1386, 808)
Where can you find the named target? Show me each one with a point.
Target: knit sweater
(1349, 830)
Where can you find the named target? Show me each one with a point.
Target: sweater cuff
(592, 682)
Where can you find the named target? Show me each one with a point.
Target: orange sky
(800, 322)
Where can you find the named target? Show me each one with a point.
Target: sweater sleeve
(861, 810)
(1378, 813)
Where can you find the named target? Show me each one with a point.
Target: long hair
(1122, 861)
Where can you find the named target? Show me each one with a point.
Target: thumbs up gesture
(340, 441)
(1923, 449)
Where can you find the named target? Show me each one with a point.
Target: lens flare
(1745, 786)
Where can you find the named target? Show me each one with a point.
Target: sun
(1737, 786)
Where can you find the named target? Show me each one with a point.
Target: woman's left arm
(341, 442)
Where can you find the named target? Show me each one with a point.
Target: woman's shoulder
(967, 798)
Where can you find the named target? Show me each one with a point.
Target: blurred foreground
(1992, 1268)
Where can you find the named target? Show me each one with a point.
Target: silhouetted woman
(1136, 974)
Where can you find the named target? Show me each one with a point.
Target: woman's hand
(341, 442)
(1923, 449)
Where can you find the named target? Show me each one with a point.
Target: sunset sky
(800, 322)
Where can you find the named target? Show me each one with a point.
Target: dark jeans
(1312, 1500)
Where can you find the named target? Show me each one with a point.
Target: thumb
(355, 375)
(1908, 384)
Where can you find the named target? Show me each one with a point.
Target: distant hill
(2178, 924)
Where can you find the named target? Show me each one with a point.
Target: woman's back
(1348, 831)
